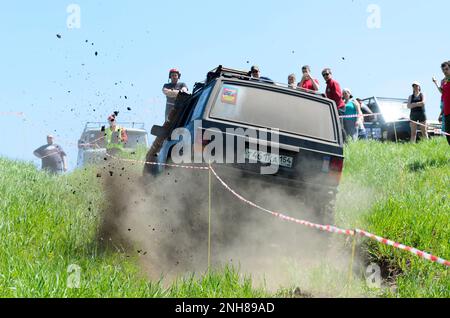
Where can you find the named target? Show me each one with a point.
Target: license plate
(265, 157)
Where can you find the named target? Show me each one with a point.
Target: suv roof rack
(221, 71)
(245, 75)
(94, 125)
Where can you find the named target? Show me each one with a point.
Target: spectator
(53, 157)
(442, 101)
(352, 108)
(416, 103)
(255, 74)
(365, 110)
(364, 107)
(445, 114)
(172, 89)
(292, 81)
(333, 92)
(307, 81)
(115, 136)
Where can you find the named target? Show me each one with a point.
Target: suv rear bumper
(234, 174)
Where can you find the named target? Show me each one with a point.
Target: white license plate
(265, 157)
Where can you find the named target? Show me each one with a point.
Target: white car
(91, 146)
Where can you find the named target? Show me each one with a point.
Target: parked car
(310, 155)
(91, 145)
(392, 122)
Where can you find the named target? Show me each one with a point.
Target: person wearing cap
(172, 89)
(53, 157)
(115, 136)
(255, 74)
(308, 82)
(352, 108)
(416, 102)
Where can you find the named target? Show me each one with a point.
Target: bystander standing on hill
(333, 92)
(435, 81)
(255, 74)
(445, 89)
(308, 82)
(53, 157)
(352, 108)
(416, 103)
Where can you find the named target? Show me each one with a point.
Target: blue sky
(59, 83)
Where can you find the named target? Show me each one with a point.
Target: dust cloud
(164, 221)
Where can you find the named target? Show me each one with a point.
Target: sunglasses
(326, 74)
(445, 69)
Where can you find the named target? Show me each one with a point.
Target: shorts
(418, 116)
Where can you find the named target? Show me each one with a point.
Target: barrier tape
(436, 131)
(159, 163)
(361, 115)
(325, 228)
(412, 250)
(333, 229)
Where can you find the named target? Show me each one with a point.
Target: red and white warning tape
(333, 229)
(326, 228)
(412, 250)
(159, 163)
(436, 131)
(360, 116)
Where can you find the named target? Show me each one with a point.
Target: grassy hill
(48, 223)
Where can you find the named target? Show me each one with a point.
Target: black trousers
(447, 127)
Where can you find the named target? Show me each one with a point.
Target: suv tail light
(336, 167)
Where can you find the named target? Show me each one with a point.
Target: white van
(91, 146)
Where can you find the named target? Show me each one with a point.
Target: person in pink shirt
(308, 82)
(445, 90)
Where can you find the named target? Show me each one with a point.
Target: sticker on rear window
(229, 95)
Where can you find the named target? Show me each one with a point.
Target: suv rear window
(274, 109)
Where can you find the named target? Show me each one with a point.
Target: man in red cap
(172, 89)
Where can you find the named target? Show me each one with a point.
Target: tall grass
(48, 223)
(401, 192)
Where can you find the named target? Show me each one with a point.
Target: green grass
(401, 192)
(397, 191)
(48, 223)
